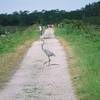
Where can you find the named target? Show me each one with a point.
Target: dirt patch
(9, 62)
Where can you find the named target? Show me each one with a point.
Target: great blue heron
(47, 52)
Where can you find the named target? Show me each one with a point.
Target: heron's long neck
(42, 46)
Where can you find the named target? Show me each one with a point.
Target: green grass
(13, 40)
(86, 49)
(12, 50)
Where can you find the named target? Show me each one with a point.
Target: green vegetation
(90, 13)
(13, 46)
(10, 42)
(85, 65)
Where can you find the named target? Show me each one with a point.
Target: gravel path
(36, 81)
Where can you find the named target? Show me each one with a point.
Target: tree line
(90, 13)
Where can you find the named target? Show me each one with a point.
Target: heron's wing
(49, 53)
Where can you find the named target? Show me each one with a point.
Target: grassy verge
(12, 49)
(84, 59)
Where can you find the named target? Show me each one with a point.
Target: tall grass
(85, 43)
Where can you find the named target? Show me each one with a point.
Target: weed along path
(37, 79)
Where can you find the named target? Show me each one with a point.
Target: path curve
(35, 81)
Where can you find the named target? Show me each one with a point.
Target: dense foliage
(91, 14)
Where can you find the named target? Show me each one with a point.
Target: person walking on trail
(40, 29)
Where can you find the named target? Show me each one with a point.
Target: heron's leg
(45, 62)
(49, 60)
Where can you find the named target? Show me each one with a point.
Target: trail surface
(36, 81)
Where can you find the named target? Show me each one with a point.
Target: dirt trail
(35, 81)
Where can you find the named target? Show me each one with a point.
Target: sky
(9, 6)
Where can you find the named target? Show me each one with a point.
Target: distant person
(40, 29)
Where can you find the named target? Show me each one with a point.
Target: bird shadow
(54, 64)
(47, 63)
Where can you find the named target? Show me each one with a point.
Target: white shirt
(40, 28)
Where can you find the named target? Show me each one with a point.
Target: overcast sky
(9, 6)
